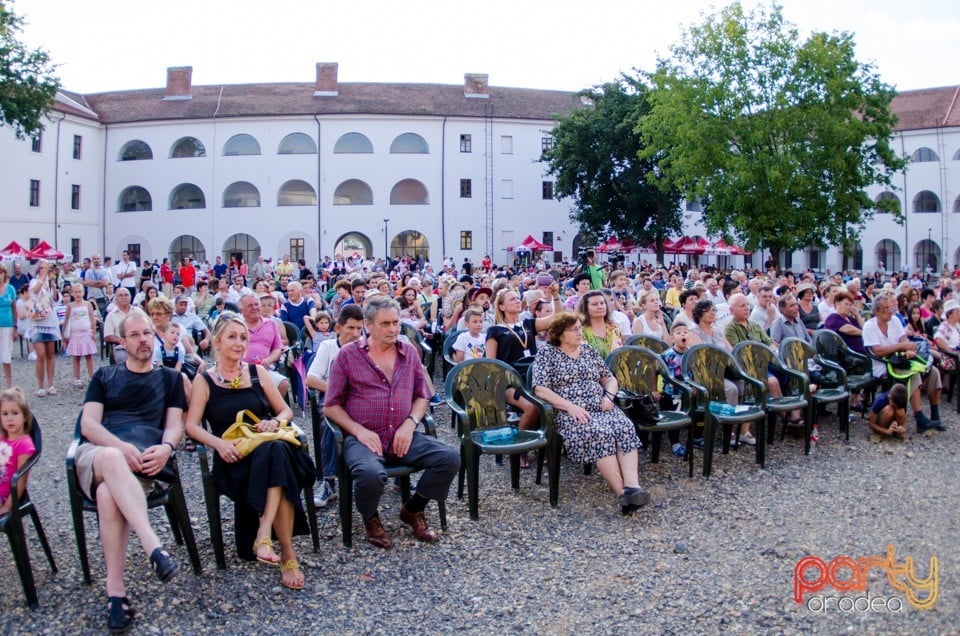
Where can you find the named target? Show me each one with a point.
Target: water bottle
(501, 435)
(722, 408)
(814, 438)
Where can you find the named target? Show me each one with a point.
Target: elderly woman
(571, 376)
(846, 321)
(947, 336)
(650, 322)
(809, 312)
(705, 330)
(269, 480)
(599, 330)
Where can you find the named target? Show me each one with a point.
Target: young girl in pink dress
(16, 445)
(81, 323)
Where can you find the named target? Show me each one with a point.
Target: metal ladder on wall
(946, 209)
(488, 177)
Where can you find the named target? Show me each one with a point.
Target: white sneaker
(32, 355)
(748, 439)
(324, 495)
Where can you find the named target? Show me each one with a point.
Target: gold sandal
(265, 542)
(289, 566)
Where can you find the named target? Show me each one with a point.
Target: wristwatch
(173, 450)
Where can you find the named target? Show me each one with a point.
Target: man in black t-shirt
(131, 423)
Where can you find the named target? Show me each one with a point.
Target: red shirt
(188, 276)
(357, 385)
(166, 274)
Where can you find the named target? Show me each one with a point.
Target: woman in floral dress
(571, 376)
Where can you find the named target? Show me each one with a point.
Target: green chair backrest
(448, 341)
(636, 368)
(478, 389)
(829, 344)
(795, 354)
(652, 343)
(706, 364)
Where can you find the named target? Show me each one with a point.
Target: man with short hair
(788, 323)
(765, 311)
(377, 393)
(358, 290)
(96, 283)
(190, 323)
(126, 272)
(111, 325)
(131, 423)
(884, 337)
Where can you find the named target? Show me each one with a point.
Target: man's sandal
(270, 558)
(290, 566)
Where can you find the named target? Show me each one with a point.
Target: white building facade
(324, 169)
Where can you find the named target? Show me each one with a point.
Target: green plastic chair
(448, 361)
(797, 354)
(416, 339)
(652, 343)
(11, 523)
(636, 370)
(401, 472)
(831, 348)
(704, 367)
(476, 393)
(756, 359)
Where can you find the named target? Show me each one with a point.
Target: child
(217, 308)
(172, 353)
(673, 357)
(888, 415)
(16, 445)
(321, 325)
(472, 344)
(80, 323)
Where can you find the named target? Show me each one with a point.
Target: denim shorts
(43, 336)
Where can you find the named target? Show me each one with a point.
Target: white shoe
(32, 355)
(748, 439)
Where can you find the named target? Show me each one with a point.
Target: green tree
(595, 158)
(779, 136)
(27, 81)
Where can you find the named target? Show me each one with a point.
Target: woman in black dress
(269, 480)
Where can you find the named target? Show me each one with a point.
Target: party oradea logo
(850, 577)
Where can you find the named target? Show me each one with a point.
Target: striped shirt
(362, 389)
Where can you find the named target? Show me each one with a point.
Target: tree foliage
(780, 137)
(595, 160)
(27, 81)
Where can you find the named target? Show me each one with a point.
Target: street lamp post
(386, 243)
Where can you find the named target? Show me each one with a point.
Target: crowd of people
(193, 346)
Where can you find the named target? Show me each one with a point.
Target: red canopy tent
(687, 245)
(14, 250)
(721, 248)
(530, 244)
(44, 250)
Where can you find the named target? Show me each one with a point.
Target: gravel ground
(706, 556)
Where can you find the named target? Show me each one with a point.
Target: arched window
(353, 143)
(409, 243)
(927, 253)
(350, 244)
(297, 144)
(924, 154)
(409, 143)
(241, 248)
(353, 192)
(135, 150)
(296, 192)
(926, 201)
(241, 145)
(187, 196)
(887, 255)
(134, 199)
(187, 147)
(409, 192)
(184, 246)
(888, 202)
(241, 194)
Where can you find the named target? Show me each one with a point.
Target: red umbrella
(44, 250)
(728, 249)
(689, 245)
(14, 250)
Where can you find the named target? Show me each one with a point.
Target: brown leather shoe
(418, 523)
(376, 534)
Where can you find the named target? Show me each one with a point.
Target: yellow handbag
(246, 431)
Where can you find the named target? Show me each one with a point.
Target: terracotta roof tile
(926, 108)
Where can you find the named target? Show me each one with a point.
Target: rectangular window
(547, 239)
(37, 142)
(466, 143)
(75, 249)
(466, 188)
(296, 249)
(506, 145)
(546, 190)
(546, 143)
(34, 193)
(506, 189)
(77, 146)
(813, 258)
(466, 239)
(34, 242)
(74, 198)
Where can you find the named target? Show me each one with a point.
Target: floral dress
(578, 380)
(604, 345)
